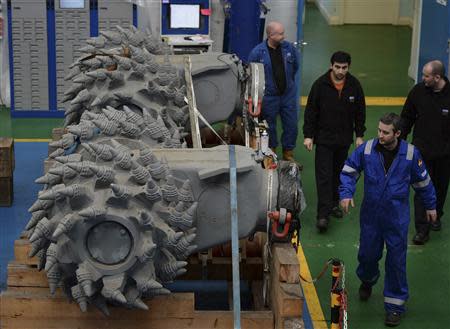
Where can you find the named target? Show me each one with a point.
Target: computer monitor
(71, 4)
(185, 17)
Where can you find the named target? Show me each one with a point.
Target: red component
(258, 111)
(250, 107)
(275, 218)
(205, 11)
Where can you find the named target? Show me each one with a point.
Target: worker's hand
(431, 215)
(359, 141)
(308, 143)
(346, 203)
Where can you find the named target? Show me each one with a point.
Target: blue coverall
(384, 216)
(286, 104)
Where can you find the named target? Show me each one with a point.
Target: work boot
(435, 226)
(322, 224)
(392, 319)
(288, 155)
(365, 291)
(420, 238)
(337, 212)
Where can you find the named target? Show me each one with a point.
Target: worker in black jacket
(427, 109)
(335, 110)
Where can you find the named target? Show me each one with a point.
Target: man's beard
(388, 144)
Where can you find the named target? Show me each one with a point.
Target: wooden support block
(286, 299)
(6, 156)
(286, 263)
(57, 133)
(48, 163)
(6, 191)
(286, 302)
(38, 310)
(219, 268)
(293, 323)
(21, 249)
(257, 295)
(289, 299)
(21, 275)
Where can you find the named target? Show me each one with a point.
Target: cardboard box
(6, 156)
(6, 191)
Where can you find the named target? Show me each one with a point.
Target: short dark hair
(341, 57)
(392, 119)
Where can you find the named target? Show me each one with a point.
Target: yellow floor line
(309, 290)
(28, 140)
(374, 101)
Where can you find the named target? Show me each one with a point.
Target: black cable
(228, 64)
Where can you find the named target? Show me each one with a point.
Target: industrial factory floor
(380, 60)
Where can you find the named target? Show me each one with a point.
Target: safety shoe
(435, 226)
(392, 319)
(420, 238)
(337, 212)
(288, 155)
(322, 224)
(365, 291)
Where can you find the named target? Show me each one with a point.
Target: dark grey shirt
(279, 75)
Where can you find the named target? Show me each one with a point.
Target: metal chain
(344, 297)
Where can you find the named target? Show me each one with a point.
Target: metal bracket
(235, 239)
(195, 129)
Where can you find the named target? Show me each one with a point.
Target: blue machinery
(44, 37)
(244, 28)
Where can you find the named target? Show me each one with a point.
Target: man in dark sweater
(335, 110)
(427, 109)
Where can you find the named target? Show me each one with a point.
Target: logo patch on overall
(419, 162)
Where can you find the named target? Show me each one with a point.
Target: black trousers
(328, 164)
(439, 170)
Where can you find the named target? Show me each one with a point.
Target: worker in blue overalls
(390, 166)
(280, 60)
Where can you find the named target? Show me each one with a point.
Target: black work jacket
(428, 112)
(331, 119)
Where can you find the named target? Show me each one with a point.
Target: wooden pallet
(27, 302)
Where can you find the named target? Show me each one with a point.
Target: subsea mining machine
(134, 192)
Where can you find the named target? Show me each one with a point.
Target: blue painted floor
(29, 159)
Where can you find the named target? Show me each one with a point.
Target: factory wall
(338, 12)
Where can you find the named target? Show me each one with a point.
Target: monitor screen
(71, 4)
(184, 16)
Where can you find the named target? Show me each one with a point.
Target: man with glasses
(280, 60)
